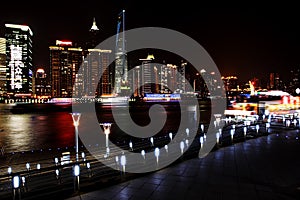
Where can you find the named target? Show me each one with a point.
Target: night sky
(247, 41)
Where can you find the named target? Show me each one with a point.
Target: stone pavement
(266, 167)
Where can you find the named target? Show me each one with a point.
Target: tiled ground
(264, 168)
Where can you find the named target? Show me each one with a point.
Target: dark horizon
(246, 42)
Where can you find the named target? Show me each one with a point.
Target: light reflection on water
(35, 131)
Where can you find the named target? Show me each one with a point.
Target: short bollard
(16, 187)
(76, 173)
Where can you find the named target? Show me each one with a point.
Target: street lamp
(76, 118)
(106, 127)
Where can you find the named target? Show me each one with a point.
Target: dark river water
(43, 130)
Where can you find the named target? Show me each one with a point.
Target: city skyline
(247, 42)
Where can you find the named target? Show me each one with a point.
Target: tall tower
(94, 39)
(18, 58)
(121, 76)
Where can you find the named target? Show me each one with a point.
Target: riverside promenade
(265, 166)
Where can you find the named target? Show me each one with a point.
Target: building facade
(41, 86)
(3, 82)
(121, 68)
(19, 64)
(97, 73)
(65, 60)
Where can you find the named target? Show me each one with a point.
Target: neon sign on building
(16, 65)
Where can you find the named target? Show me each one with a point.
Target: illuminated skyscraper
(18, 58)
(149, 76)
(65, 61)
(3, 87)
(97, 66)
(97, 73)
(121, 76)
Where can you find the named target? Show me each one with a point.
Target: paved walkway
(264, 168)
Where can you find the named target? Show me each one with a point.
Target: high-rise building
(164, 71)
(172, 77)
(181, 86)
(97, 73)
(121, 68)
(148, 76)
(19, 58)
(65, 60)
(3, 82)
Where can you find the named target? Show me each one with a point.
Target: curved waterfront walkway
(262, 168)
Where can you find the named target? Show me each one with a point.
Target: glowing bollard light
(201, 141)
(245, 131)
(9, 170)
(123, 162)
(38, 166)
(76, 173)
(267, 127)
(57, 174)
(187, 131)
(24, 183)
(28, 166)
(152, 141)
(117, 161)
(56, 161)
(218, 137)
(295, 122)
(187, 142)
(156, 154)
(288, 123)
(181, 147)
(202, 127)
(166, 148)
(88, 166)
(143, 154)
(16, 187)
(257, 128)
(232, 134)
(171, 136)
(233, 126)
(130, 146)
(83, 156)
